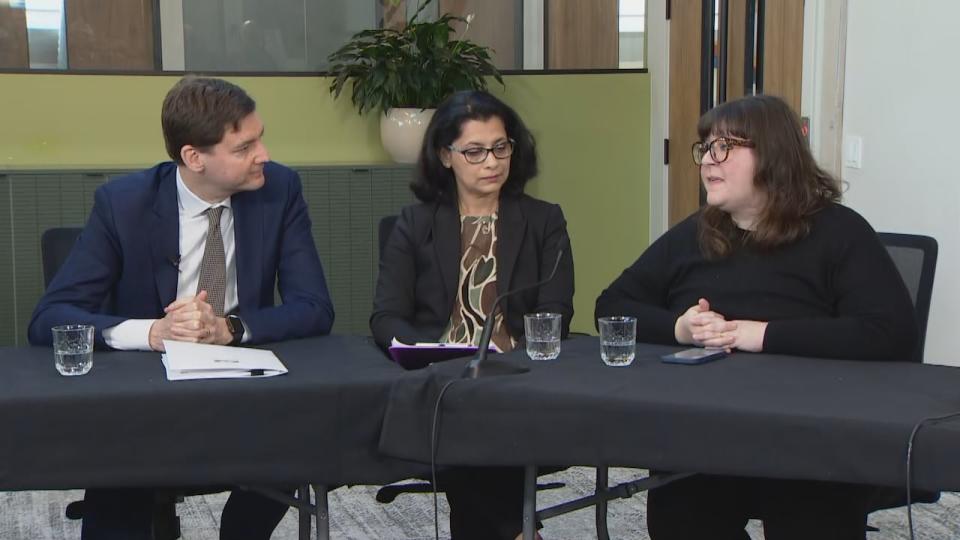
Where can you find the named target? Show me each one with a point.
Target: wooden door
(778, 24)
(783, 50)
(683, 176)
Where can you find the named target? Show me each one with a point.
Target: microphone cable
(932, 420)
(434, 436)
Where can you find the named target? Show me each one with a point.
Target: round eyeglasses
(719, 149)
(478, 154)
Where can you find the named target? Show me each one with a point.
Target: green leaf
(417, 66)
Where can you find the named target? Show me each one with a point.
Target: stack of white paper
(200, 361)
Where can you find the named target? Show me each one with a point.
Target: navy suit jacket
(124, 264)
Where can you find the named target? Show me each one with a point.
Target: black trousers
(126, 514)
(718, 508)
(486, 503)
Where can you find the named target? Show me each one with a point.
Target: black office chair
(55, 247)
(916, 259)
(383, 232)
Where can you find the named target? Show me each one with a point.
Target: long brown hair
(794, 185)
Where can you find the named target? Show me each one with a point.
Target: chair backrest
(384, 230)
(916, 259)
(55, 246)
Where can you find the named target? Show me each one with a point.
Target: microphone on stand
(479, 366)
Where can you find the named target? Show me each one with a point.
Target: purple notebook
(422, 354)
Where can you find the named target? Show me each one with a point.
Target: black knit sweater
(835, 293)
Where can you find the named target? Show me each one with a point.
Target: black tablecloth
(747, 414)
(124, 424)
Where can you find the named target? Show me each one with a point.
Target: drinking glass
(543, 335)
(618, 340)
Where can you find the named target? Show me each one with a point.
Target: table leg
(530, 502)
(303, 496)
(601, 508)
(322, 512)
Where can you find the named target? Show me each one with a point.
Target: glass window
(298, 35)
(275, 35)
(45, 33)
(633, 27)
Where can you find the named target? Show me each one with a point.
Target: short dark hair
(197, 111)
(436, 182)
(786, 172)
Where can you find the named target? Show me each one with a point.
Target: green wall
(592, 130)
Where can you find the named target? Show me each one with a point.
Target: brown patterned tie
(213, 267)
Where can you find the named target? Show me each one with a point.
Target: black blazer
(419, 269)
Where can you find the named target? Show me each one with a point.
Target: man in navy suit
(192, 250)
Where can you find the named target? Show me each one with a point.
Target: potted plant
(406, 73)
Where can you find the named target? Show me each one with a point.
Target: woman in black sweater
(772, 263)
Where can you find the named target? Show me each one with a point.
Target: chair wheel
(385, 495)
(75, 510)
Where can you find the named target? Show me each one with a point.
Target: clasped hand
(192, 320)
(703, 327)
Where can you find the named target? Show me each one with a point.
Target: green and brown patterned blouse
(477, 288)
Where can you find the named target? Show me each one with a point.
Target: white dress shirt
(134, 334)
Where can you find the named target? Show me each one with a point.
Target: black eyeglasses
(719, 149)
(478, 154)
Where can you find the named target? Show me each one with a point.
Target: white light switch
(853, 151)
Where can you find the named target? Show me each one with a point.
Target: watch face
(233, 322)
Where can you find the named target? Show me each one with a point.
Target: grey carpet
(355, 515)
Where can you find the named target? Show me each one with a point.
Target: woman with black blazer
(474, 235)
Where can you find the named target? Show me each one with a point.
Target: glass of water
(618, 340)
(543, 335)
(73, 348)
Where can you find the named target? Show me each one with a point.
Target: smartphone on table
(694, 356)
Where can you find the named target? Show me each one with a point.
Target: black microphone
(472, 371)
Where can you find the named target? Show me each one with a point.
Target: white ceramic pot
(401, 132)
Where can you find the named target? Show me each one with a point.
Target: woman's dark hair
(197, 111)
(436, 182)
(794, 185)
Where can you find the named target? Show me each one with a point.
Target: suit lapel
(511, 228)
(248, 244)
(446, 236)
(165, 237)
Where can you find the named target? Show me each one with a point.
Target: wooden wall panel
(14, 51)
(110, 34)
(494, 25)
(394, 15)
(783, 50)
(683, 174)
(582, 34)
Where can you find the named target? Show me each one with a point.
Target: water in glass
(548, 349)
(74, 358)
(617, 352)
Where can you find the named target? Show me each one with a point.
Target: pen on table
(253, 372)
